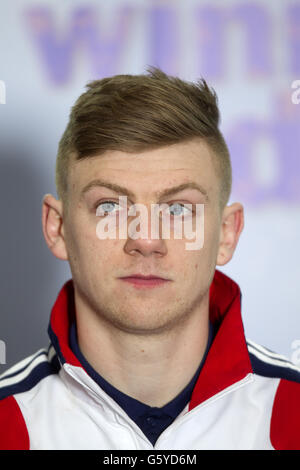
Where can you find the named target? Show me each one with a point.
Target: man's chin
(151, 320)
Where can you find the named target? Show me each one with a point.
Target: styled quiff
(134, 113)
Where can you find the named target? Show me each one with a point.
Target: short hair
(133, 113)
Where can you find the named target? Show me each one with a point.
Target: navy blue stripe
(41, 371)
(8, 376)
(261, 367)
(271, 356)
(55, 343)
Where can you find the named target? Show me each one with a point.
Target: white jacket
(246, 397)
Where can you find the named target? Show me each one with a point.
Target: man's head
(134, 113)
(143, 134)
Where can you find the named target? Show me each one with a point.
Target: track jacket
(246, 396)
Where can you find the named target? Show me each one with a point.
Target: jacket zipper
(247, 379)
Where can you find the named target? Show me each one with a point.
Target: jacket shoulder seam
(27, 373)
(268, 363)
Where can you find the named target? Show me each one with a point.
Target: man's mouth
(144, 281)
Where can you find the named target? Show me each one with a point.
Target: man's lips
(139, 280)
(142, 276)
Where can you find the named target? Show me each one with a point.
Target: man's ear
(52, 222)
(232, 226)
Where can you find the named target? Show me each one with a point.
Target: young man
(147, 342)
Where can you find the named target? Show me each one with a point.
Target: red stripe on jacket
(13, 430)
(285, 422)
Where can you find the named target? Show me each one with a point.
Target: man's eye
(177, 209)
(105, 207)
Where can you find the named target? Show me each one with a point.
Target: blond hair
(134, 113)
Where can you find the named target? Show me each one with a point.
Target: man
(147, 342)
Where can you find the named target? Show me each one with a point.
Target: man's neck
(154, 368)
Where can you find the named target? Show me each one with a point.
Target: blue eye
(108, 206)
(178, 211)
(105, 206)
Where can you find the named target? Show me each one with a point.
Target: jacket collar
(227, 361)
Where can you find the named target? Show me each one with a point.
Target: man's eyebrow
(106, 184)
(181, 187)
(159, 194)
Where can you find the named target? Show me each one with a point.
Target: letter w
(57, 48)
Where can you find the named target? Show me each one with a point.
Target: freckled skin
(125, 332)
(96, 264)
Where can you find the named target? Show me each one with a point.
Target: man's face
(98, 264)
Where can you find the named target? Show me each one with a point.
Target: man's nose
(145, 235)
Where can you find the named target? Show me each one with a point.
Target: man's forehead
(175, 157)
(153, 172)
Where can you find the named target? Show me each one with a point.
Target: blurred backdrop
(249, 51)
